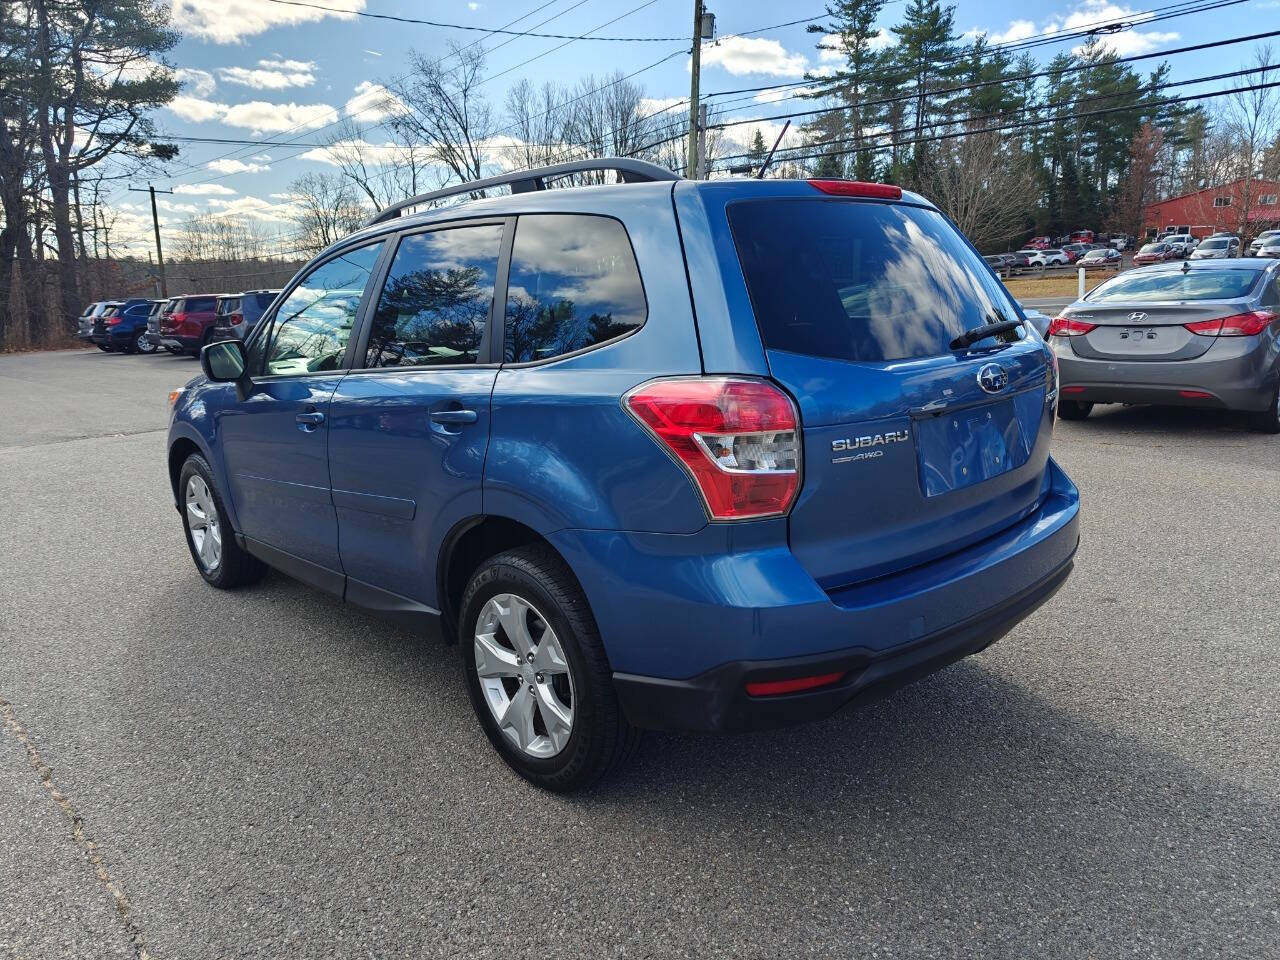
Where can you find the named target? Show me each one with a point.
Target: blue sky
(263, 70)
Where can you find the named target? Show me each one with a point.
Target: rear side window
(1177, 285)
(172, 306)
(228, 306)
(201, 304)
(863, 281)
(573, 284)
(435, 305)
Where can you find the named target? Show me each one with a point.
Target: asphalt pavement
(186, 773)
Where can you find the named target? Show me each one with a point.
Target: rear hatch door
(912, 449)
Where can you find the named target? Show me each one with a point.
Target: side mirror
(224, 362)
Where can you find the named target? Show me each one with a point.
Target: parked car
(84, 323)
(123, 327)
(1260, 241)
(1121, 243)
(1038, 320)
(999, 263)
(97, 333)
(1203, 333)
(186, 323)
(1039, 243)
(1075, 251)
(1157, 252)
(1270, 247)
(655, 546)
(1180, 244)
(1049, 258)
(1217, 248)
(1082, 236)
(1101, 257)
(238, 314)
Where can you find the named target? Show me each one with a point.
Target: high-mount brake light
(1066, 327)
(1237, 325)
(739, 439)
(858, 188)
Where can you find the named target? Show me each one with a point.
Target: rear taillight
(738, 439)
(858, 188)
(236, 318)
(1237, 325)
(1066, 327)
(112, 321)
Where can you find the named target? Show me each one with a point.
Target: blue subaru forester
(657, 454)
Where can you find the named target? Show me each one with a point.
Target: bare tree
(1251, 119)
(536, 132)
(386, 172)
(985, 185)
(445, 109)
(327, 210)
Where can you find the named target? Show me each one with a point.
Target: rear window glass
(1176, 285)
(230, 306)
(200, 304)
(861, 281)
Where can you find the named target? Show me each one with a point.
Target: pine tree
(925, 61)
(851, 32)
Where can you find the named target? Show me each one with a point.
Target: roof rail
(527, 181)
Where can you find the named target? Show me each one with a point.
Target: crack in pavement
(83, 840)
(87, 436)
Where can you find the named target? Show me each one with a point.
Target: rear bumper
(189, 344)
(688, 620)
(1238, 373)
(717, 701)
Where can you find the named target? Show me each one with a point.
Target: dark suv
(186, 323)
(123, 326)
(697, 455)
(239, 313)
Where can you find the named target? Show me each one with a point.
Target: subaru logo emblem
(1137, 316)
(992, 378)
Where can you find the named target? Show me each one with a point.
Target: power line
(460, 26)
(1022, 124)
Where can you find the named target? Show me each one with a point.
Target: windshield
(1176, 285)
(861, 281)
(1152, 248)
(1215, 244)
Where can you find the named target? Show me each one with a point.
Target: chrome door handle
(311, 417)
(454, 416)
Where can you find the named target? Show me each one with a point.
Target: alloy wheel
(524, 675)
(202, 521)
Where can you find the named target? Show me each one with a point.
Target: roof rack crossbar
(528, 181)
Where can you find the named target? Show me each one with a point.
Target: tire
(229, 566)
(1073, 409)
(142, 345)
(554, 615)
(1268, 421)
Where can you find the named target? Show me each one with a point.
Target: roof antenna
(769, 159)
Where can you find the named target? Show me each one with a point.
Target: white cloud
(200, 82)
(786, 93)
(373, 153)
(1089, 14)
(373, 53)
(204, 189)
(473, 7)
(187, 208)
(223, 165)
(651, 105)
(747, 55)
(263, 157)
(253, 207)
(882, 40)
(373, 102)
(196, 109)
(1017, 30)
(272, 74)
(262, 117)
(230, 21)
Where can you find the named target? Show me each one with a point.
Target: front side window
(310, 330)
(435, 305)
(573, 284)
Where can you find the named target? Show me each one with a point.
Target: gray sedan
(1203, 333)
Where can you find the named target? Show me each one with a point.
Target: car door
(274, 441)
(409, 426)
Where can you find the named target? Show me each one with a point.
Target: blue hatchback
(657, 454)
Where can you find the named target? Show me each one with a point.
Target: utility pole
(704, 27)
(155, 222)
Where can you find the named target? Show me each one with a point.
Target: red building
(1207, 211)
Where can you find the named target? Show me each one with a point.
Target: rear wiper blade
(981, 333)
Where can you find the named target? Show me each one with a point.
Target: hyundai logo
(1137, 316)
(992, 378)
